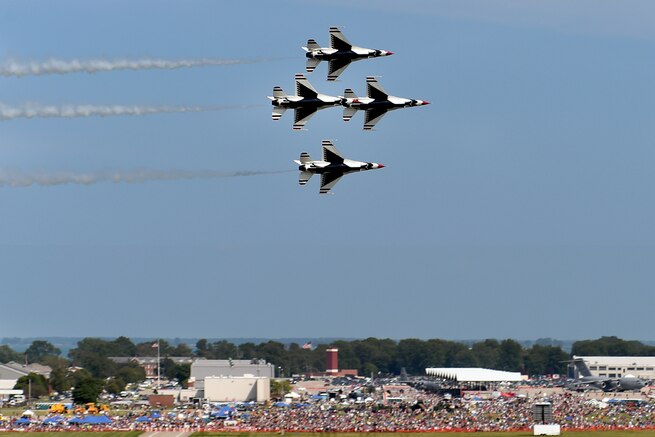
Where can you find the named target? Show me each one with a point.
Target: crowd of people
(416, 412)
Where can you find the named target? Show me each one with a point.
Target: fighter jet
(587, 380)
(339, 55)
(331, 168)
(305, 103)
(376, 104)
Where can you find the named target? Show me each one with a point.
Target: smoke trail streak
(15, 179)
(13, 68)
(72, 111)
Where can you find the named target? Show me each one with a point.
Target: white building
(616, 367)
(237, 389)
(202, 369)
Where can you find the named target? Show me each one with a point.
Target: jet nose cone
(380, 165)
(389, 53)
(424, 102)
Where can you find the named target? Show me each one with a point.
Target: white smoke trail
(10, 178)
(72, 111)
(15, 68)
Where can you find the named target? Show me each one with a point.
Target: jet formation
(307, 101)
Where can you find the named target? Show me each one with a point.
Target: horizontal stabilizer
(312, 63)
(304, 177)
(278, 113)
(312, 45)
(349, 94)
(278, 92)
(348, 113)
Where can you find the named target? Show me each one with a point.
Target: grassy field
(432, 434)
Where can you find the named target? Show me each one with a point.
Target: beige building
(237, 389)
(617, 367)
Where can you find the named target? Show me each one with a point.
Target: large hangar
(237, 389)
(473, 374)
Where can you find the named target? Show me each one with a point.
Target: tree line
(90, 369)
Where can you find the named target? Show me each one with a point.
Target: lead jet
(339, 55)
(587, 380)
(377, 103)
(305, 103)
(331, 168)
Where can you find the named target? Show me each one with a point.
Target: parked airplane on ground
(376, 104)
(305, 103)
(331, 168)
(339, 55)
(587, 380)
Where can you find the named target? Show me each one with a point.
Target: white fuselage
(347, 166)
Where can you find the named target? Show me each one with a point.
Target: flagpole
(158, 368)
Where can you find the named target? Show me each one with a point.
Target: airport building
(237, 389)
(617, 367)
(201, 369)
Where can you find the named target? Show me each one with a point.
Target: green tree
(181, 372)
(8, 354)
(39, 349)
(33, 384)
(87, 390)
(487, 353)
(545, 360)
(131, 372)
(60, 380)
(279, 387)
(115, 385)
(511, 356)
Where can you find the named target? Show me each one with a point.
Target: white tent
(473, 374)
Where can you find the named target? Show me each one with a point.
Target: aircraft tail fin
(312, 63)
(278, 92)
(581, 366)
(304, 177)
(311, 45)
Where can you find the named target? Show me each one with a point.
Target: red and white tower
(332, 363)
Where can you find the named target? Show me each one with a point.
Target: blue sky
(518, 204)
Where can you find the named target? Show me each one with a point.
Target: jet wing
(374, 90)
(330, 153)
(373, 116)
(304, 88)
(329, 180)
(338, 41)
(302, 116)
(336, 67)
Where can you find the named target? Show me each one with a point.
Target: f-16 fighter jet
(331, 168)
(376, 104)
(339, 55)
(305, 103)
